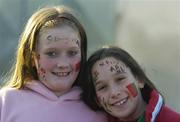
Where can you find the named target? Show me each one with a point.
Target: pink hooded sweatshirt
(35, 103)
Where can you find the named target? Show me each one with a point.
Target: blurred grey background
(148, 29)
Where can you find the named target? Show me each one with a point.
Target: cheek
(132, 89)
(101, 99)
(76, 65)
(46, 63)
(41, 72)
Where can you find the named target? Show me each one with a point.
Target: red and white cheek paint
(132, 89)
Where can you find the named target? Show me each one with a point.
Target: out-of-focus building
(150, 31)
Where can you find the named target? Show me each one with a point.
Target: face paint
(41, 73)
(77, 66)
(117, 68)
(51, 38)
(95, 75)
(101, 64)
(77, 42)
(132, 89)
(57, 49)
(104, 104)
(107, 62)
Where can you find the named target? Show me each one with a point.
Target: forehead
(105, 64)
(60, 30)
(62, 34)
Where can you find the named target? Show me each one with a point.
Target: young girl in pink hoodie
(117, 84)
(48, 72)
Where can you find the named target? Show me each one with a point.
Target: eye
(102, 87)
(72, 53)
(51, 54)
(120, 79)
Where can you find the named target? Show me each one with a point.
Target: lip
(61, 74)
(120, 102)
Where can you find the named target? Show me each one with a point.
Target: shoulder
(168, 115)
(74, 103)
(8, 92)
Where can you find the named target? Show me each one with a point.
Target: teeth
(121, 102)
(62, 74)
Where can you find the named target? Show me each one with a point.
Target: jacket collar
(154, 106)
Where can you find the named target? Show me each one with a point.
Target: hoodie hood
(39, 88)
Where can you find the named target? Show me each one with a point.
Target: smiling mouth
(61, 74)
(121, 102)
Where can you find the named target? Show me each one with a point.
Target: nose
(115, 92)
(63, 63)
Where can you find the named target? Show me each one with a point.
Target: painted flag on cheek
(77, 66)
(132, 89)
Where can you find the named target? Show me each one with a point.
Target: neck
(140, 109)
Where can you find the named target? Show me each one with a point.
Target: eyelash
(101, 88)
(120, 79)
(51, 54)
(72, 53)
